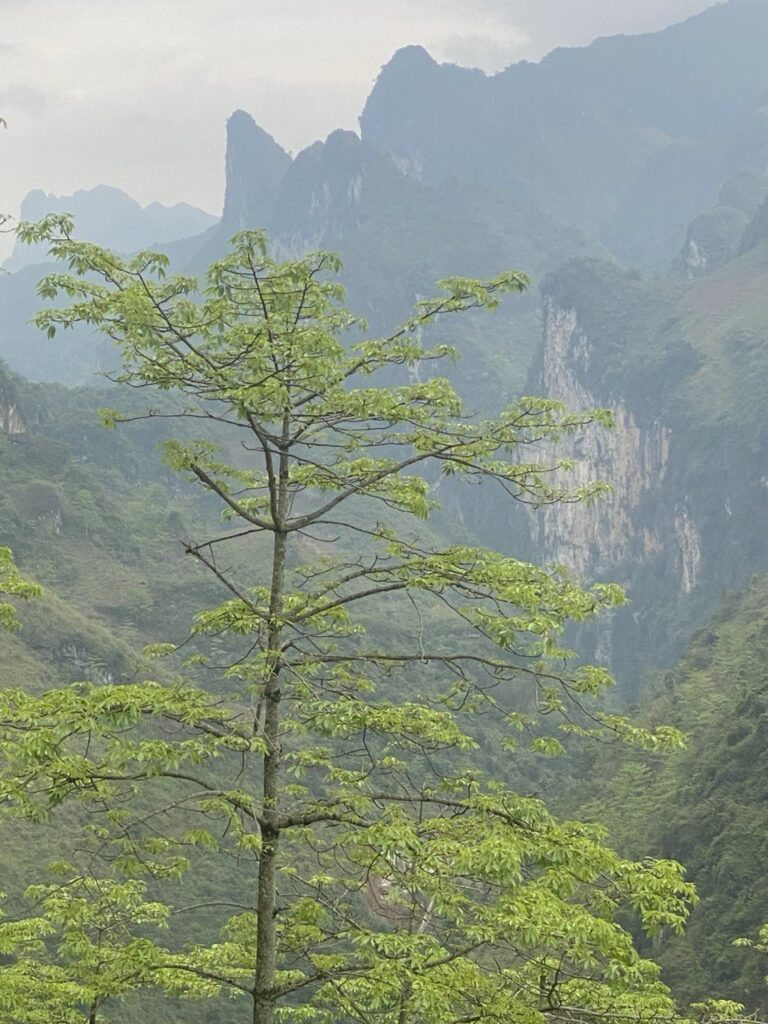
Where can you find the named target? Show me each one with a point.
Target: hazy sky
(135, 93)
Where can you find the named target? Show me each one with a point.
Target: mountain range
(629, 178)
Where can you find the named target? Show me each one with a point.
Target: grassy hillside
(93, 517)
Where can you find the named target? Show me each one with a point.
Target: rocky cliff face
(738, 223)
(324, 194)
(682, 365)
(588, 135)
(633, 458)
(711, 241)
(593, 539)
(255, 168)
(10, 419)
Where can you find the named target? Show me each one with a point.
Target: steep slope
(708, 805)
(456, 172)
(684, 365)
(397, 238)
(629, 137)
(717, 236)
(255, 168)
(618, 144)
(93, 516)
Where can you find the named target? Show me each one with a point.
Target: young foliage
(334, 763)
(12, 584)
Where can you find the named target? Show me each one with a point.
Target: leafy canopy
(320, 767)
(12, 584)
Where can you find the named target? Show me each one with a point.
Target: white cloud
(491, 52)
(551, 23)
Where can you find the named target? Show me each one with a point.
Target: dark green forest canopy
(705, 806)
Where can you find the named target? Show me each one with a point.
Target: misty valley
(383, 563)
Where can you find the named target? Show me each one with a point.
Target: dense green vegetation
(375, 866)
(560, 168)
(91, 514)
(705, 806)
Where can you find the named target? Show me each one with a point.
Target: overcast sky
(135, 93)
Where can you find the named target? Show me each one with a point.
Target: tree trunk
(266, 899)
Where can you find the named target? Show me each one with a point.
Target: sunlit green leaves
(13, 585)
(335, 763)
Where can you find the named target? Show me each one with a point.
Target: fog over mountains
(108, 216)
(629, 178)
(648, 153)
(627, 139)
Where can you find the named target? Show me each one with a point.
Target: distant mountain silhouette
(110, 217)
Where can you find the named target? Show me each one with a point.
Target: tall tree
(324, 784)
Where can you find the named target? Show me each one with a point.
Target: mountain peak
(255, 166)
(409, 69)
(410, 57)
(342, 140)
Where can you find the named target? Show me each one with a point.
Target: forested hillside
(705, 806)
(629, 181)
(95, 516)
